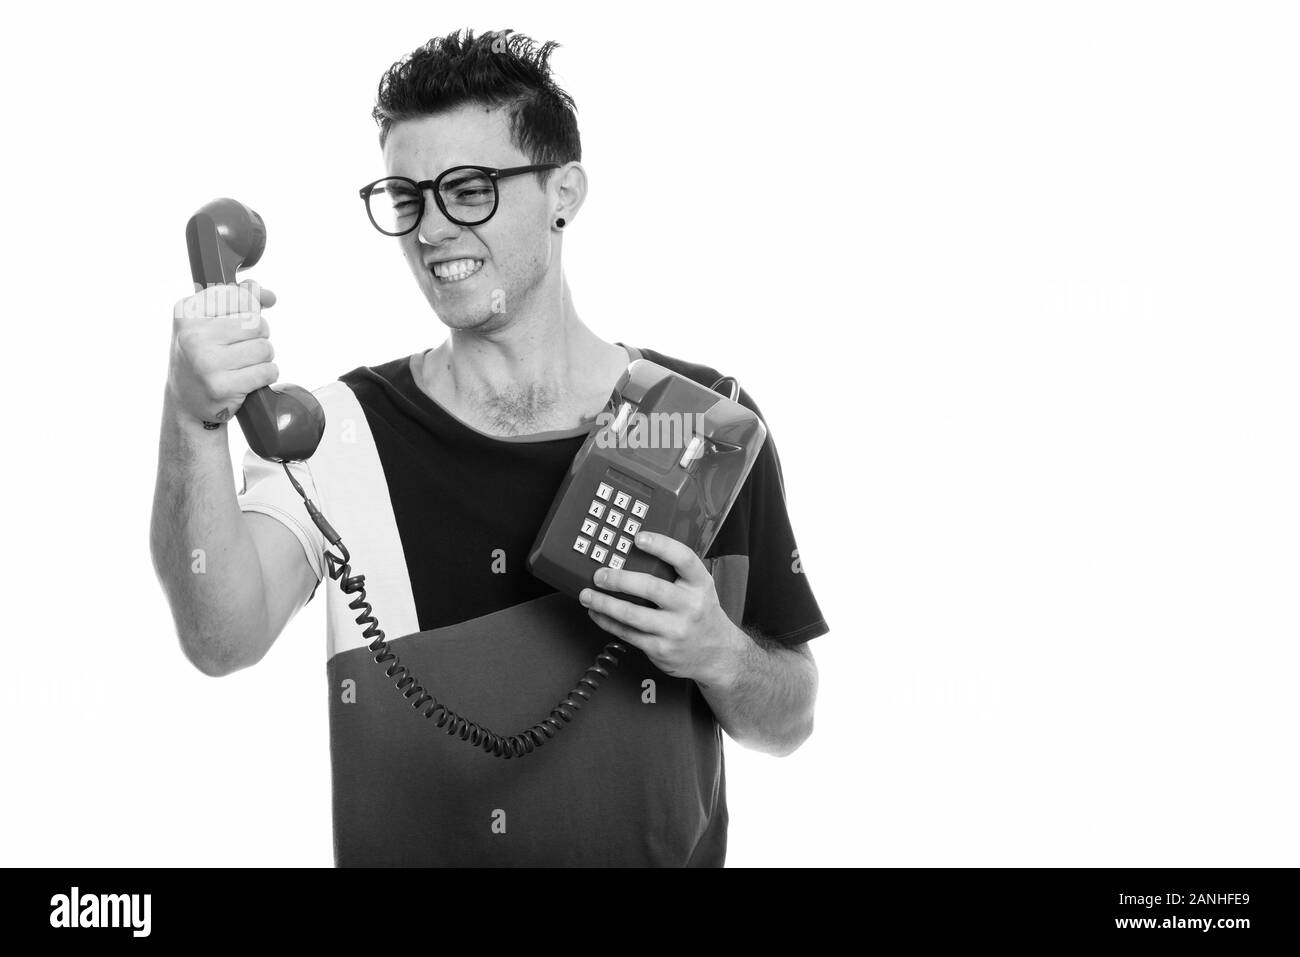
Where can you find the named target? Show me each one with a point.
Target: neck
(543, 365)
(538, 348)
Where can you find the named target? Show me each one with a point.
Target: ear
(568, 188)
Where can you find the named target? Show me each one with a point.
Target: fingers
(685, 562)
(225, 313)
(224, 299)
(664, 594)
(243, 381)
(638, 617)
(647, 643)
(249, 352)
(237, 328)
(207, 359)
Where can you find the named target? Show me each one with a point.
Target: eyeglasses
(466, 195)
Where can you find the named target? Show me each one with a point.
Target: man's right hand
(221, 350)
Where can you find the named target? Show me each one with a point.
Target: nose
(435, 227)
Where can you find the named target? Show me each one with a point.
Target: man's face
(510, 254)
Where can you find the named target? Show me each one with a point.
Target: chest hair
(523, 410)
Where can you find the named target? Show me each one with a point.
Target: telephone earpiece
(282, 423)
(223, 236)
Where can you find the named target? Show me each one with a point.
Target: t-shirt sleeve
(779, 603)
(267, 490)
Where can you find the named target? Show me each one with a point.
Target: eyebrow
(464, 175)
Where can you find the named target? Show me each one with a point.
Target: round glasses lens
(394, 205)
(469, 195)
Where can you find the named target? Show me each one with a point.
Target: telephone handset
(615, 486)
(282, 423)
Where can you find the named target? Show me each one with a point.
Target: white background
(1013, 283)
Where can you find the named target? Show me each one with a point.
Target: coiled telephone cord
(422, 700)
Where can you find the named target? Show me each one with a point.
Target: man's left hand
(688, 635)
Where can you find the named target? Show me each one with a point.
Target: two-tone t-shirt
(439, 517)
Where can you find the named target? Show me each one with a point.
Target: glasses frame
(421, 186)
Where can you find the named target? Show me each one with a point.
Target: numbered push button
(604, 491)
(631, 527)
(622, 499)
(598, 554)
(606, 535)
(639, 508)
(589, 526)
(624, 545)
(596, 509)
(614, 517)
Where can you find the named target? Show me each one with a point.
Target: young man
(438, 469)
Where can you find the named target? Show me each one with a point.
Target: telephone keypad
(610, 541)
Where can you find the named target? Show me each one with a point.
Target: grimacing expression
(474, 277)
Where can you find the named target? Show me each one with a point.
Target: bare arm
(210, 556)
(232, 580)
(767, 698)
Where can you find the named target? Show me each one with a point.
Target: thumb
(264, 296)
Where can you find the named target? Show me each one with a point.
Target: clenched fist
(221, 350)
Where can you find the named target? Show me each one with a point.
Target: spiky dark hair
(499, 68)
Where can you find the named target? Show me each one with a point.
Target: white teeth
(457, 269)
